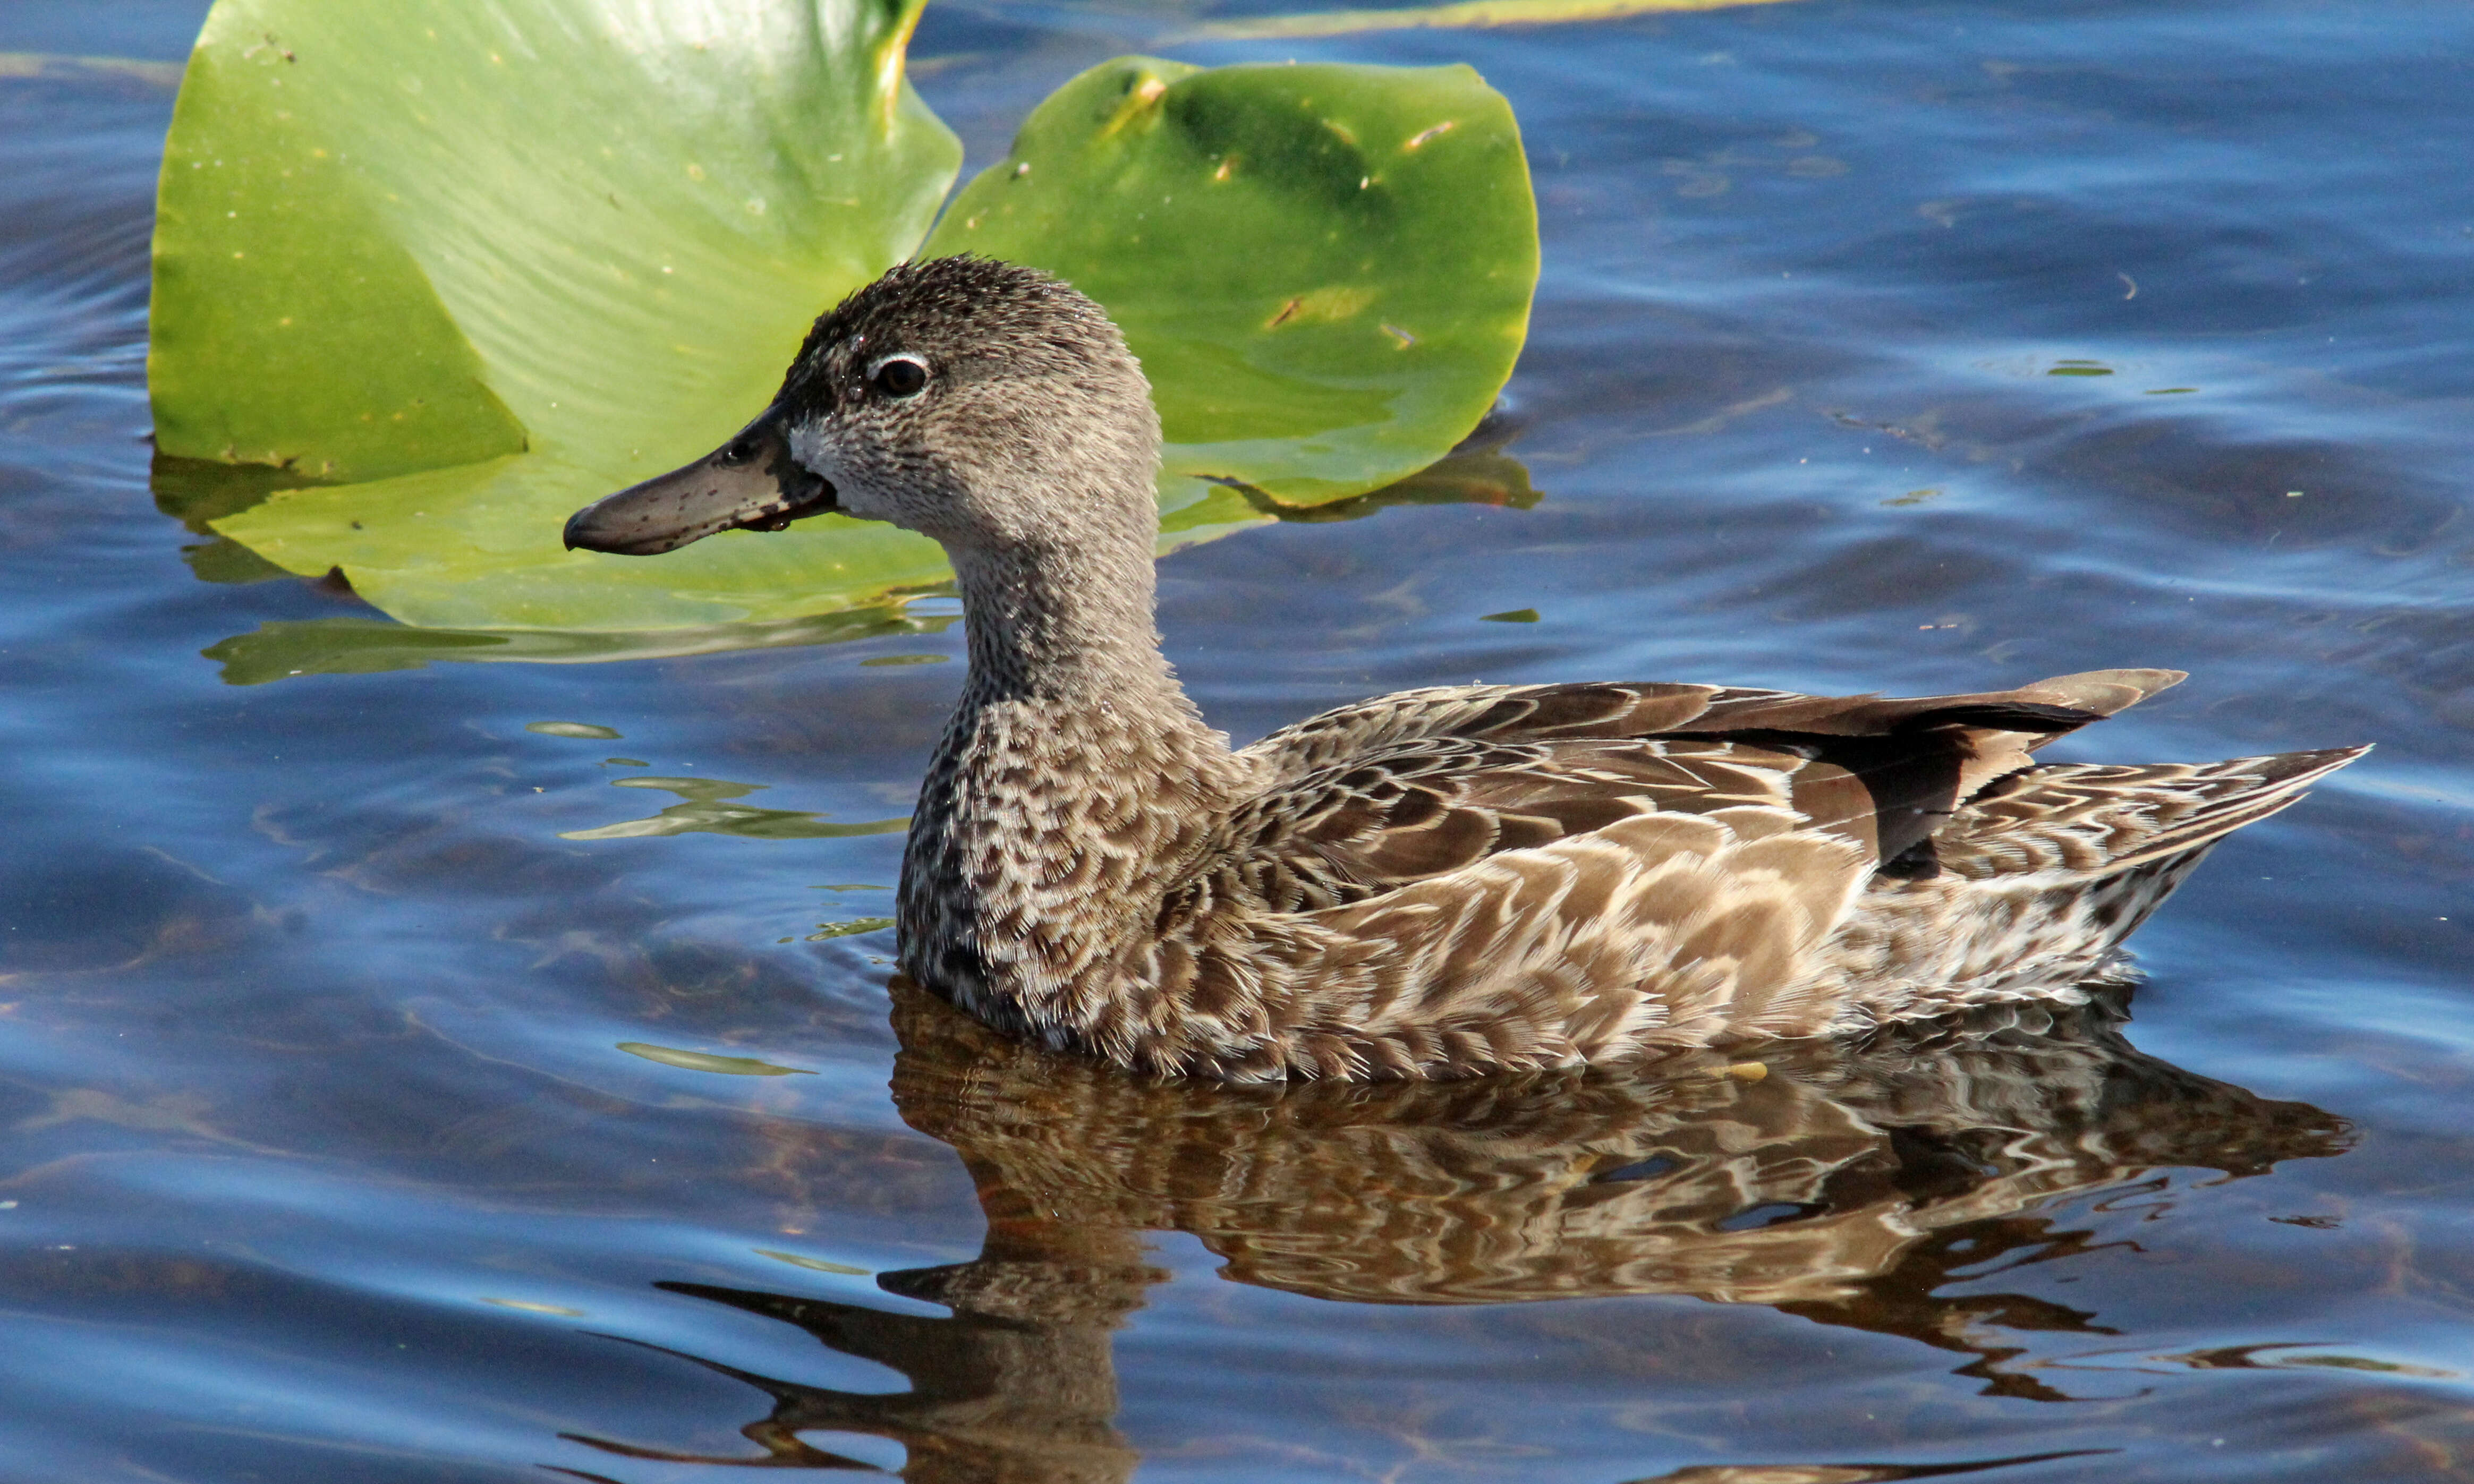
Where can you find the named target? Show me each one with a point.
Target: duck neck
(1064, 624)
(1072, 781)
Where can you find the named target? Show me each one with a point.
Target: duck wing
(1377, 796)
(1446, 882)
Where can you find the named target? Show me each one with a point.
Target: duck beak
(750, 483)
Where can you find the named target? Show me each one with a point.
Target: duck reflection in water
(1844, 1182)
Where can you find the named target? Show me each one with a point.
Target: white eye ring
(898, 377)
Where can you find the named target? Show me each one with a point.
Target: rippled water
(386, 1073)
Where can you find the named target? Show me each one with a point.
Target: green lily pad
(708, 809)
(1325, 270)
(706, 1061)
(283, 649)
(813, 1264)
(1477, 473)
(574, 240)
(851, 929)
(468, 265)
(393, 238)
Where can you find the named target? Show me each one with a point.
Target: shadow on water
(1844, 1183)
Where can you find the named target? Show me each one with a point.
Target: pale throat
(1069, 624)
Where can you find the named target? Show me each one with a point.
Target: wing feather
(1468, 878)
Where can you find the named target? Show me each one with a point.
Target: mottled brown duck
(1437, 883)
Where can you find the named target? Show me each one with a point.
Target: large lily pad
(575, 237)
(477, 263)
(400, 237)
(1325, 270)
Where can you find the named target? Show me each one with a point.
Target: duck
(1449, 881)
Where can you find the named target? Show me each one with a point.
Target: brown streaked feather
(2092, 819)
(1402, 788)
(1469, 879)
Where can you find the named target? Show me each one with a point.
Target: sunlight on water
(392, 1100)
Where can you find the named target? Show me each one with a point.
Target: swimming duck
(1438, 883)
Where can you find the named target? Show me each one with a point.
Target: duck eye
(899, 376)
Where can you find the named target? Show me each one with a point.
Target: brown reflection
(1847, 1184)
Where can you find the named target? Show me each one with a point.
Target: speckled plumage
(1493, 878)
(1438, 883)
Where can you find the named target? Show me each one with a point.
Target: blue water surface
(1915, 348)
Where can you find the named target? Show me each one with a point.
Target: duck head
(960, 398)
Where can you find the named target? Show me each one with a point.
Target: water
(1915, 348)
